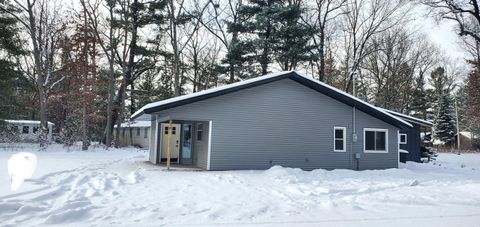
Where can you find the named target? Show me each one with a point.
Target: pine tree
(269, 30)
(419, 105)
(444, 123)
(13, 86)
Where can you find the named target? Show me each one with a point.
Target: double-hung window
(339, 140)
(375, 140)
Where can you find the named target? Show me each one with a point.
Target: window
(375, 140)
(146, 133)
(138, 131)
(339, 140)
(25, 129)
(174, 130)
(199, 131)
(402, 138)
(123, 132)
(35, 129)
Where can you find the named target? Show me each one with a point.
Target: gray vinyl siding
(200, 147)
(376, 160)
(282, 123)
(413, 143)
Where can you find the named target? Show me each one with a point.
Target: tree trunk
(321, 72)
(85, 77)
(40, 77)
(176, 57)
(111, 86)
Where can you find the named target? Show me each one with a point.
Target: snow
(467, 134)
(118, 187)
(135, 124)
(21, 166)
(428, 123)
(25, 122)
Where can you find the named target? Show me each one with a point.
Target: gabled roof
(296, 76)
(410, 118)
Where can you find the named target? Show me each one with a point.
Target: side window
(146, 133)
(402, 138)
(123, 131)
(25, 129)
(375, 140)
(339, 140)
(138, 131)
(35, 129)
(199, 131)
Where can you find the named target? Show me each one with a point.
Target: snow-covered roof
(135, 124)
(204, 92)
(468, 134)
(409, 118)
(25, 122)
(268, 77)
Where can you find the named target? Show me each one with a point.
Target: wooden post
(169, 143)
(458, 127)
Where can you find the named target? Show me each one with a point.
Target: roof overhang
(411, 119)
(296, 76)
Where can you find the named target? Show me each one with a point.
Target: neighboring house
(28, 130)
(135, 133)
(467, 141)
(284, 118)
(410, 139)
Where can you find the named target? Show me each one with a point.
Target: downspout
(354, 139)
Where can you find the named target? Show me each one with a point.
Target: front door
(186, 144)
(175, 149)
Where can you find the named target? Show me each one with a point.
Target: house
(284, 118)
(28, 130)
(410, 139)
(467, 141)
(134, 133)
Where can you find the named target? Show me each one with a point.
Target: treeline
(88, 67)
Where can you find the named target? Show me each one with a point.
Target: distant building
(135, 133)
(466, 141)
(28, 130)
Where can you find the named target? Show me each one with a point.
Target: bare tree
(43, 22)
(362, 20)
(465, 13)
(216, 21)
(323, 13)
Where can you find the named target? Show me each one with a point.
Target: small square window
(403, 138)
(35, 129)
(199, 131)
(25, 129)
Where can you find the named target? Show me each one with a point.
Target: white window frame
(400, 138)
(344, 129)
(375, 130)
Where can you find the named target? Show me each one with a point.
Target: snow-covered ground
(117, 187)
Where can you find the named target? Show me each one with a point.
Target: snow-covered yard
(117, 187)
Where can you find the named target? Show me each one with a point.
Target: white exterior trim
(344, 129)
(375, 130)
(399, 150)
(156, 152)
(209, 153)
